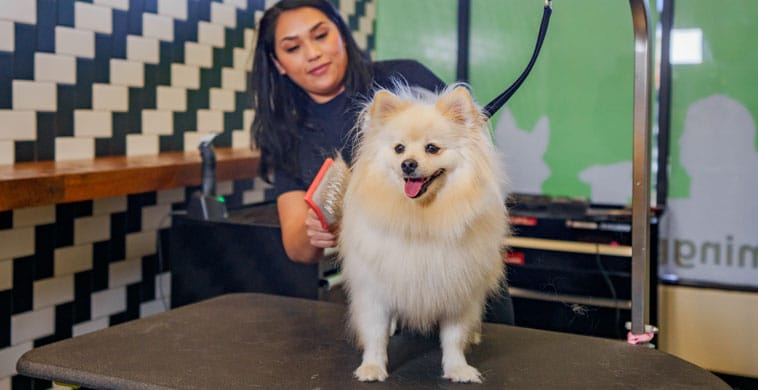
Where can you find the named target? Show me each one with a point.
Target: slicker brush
(325, 193)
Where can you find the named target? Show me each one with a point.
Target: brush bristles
(332, 190)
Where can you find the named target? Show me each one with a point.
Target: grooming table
(249, 340)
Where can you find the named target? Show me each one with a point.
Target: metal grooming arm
(640, 331)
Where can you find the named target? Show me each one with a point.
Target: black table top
(240, 341)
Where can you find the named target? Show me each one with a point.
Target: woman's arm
(304, 239)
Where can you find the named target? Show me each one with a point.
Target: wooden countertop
(49, 182)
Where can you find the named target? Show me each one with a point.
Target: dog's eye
(432, 148)
(399, 148)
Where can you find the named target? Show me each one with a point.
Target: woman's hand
(318, 237)
(303, 238)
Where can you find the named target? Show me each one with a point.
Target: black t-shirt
(332, 122)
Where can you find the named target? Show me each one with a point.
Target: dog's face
(422, 146)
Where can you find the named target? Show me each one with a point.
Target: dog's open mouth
(416, 186)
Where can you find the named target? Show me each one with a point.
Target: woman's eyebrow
(312, 29)
(316, 26)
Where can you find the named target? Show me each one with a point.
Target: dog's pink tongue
(413, 187)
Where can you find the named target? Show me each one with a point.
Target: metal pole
(641, 169)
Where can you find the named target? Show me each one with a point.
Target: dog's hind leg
(393, 325)
(475, 338)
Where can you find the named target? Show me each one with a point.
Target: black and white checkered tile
(91, 78)
(83, 79)
(72, 268)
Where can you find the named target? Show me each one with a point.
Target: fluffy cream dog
(423, 225)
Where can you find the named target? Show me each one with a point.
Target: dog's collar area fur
(416, 186)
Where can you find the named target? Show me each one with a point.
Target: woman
(309, 78)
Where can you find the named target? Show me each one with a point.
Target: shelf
(569, 246)
(570, 298)
(48, 182)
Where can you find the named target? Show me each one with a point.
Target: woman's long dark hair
(279, 103)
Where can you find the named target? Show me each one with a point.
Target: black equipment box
(242, 253)
(570, 265)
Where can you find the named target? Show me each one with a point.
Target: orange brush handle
(311, 197)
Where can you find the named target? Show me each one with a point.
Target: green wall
(425, 30)
(730, 67)
(710, 231)
(582, 81)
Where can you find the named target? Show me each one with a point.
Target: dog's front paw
(369, 372)
(463, 374)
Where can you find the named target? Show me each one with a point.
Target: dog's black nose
(409, 166)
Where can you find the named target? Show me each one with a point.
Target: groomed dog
(423, 225)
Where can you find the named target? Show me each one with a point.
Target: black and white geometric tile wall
(72, 268)
(92, 78)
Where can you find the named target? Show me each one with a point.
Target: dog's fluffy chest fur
(422, 281)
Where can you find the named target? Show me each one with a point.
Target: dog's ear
(385, 103)
(458, 106)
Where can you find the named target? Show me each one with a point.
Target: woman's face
(310, 50)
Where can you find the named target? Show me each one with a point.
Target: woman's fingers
(318, 236)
